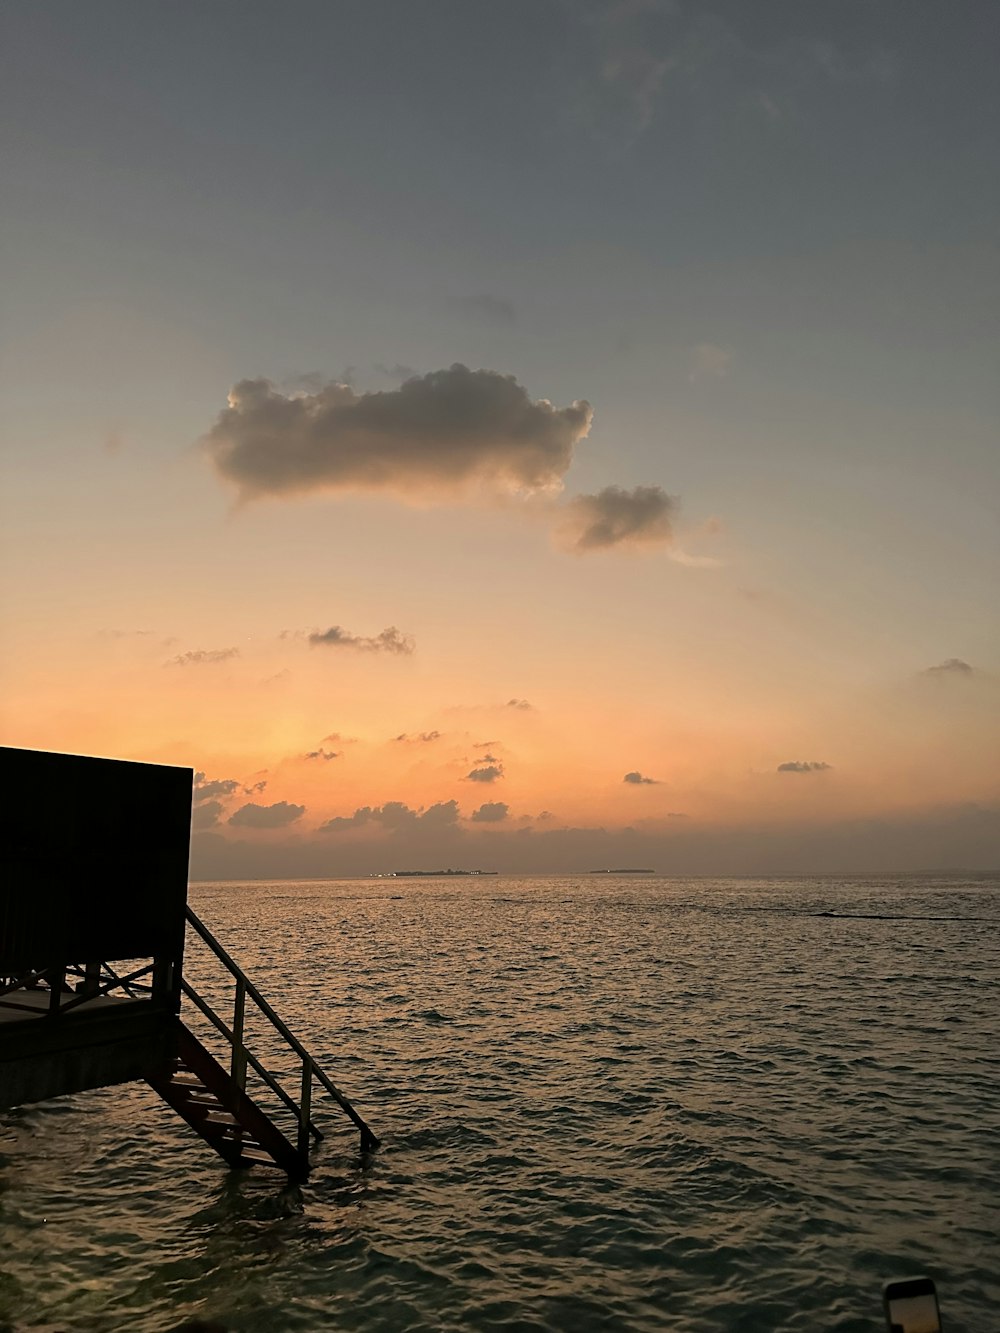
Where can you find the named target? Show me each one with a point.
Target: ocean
(608, 1103)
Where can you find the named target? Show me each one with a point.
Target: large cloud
(616, 517)
(439, 434)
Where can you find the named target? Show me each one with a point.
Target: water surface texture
(605, 1103)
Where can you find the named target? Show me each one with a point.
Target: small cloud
(954, 666)
(616, 517)
(206, 791)
(803, 766)
(390, 640)
(203, 657)
(709, 361)
(278, 678)
(492, 310)
(490, 812)
(437, 437)
(255, 787)
(418, 738)
(491, 773)
(521, 704)
(636, 779)
(326, 755)
(279, 815)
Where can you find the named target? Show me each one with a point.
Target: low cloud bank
(803, 766)
(965, 837)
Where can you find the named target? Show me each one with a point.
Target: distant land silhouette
(433, 874)
(626, 870)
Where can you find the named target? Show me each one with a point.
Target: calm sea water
(616, 1104)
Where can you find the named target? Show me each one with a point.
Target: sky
(537, 436)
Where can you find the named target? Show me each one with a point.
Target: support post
(238, 1068)
(305, 1109)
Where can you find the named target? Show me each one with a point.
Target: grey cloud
(395, 815)
(488, 774)
(326, 755)
(636, 779)
(418, 738)
(255, 787)
(954, 666)
(279, 815)
(635, 51)
(362, 815)
(521, 704)
(492, 310)
(803, 766)
(390, 640)
(206, 815)
(444, 812)
(437, 435)
(203, 657)
(490, 812)
(616, 517)
(206, 791)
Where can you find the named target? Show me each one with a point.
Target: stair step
(186, 1080)
(209, 1101)
(250, 1159)
(222, 1118)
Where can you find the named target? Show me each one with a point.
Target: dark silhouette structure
(93, 924)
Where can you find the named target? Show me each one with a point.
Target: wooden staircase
(214, 1101)
(219, 1110)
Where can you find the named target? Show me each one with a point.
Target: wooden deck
(102, 1041)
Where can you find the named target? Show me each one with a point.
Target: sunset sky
(527, 434)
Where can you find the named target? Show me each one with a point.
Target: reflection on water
(611, 1104)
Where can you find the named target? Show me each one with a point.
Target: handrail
(310, 1069)
(264, 1073)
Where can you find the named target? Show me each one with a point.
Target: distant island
(626, 870)
(434, 874)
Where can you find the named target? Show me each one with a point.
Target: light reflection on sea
(616, 1104)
